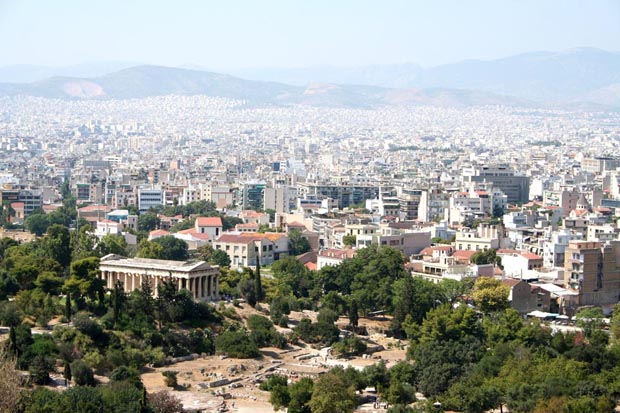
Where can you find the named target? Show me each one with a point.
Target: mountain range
(582, 78)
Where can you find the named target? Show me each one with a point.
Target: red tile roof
(209, 222)
(311, 266)
(235, 239)
(194, 234)
(531, 256)
(337, 254)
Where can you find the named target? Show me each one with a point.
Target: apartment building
(516, 188)
(243, 251)
(593, 270)
(486, 236)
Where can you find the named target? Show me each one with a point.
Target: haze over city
(310, 207)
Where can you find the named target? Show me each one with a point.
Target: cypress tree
(259, 285)
(353, 316)
(13, 341)
(117, 297)
(67, 372)
(68, 306)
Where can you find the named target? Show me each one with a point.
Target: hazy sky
(292, 33)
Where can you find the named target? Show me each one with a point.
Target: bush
(263, 333)
(40, 369)
(82, 373)
(127, 374)
(170, 378)
(321, 332)
(236, 344)
(164, 402)
(351, 346)
(283, 322)
(273, 381)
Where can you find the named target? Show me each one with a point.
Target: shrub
(82, 373)
(170, 378)
(236, 344)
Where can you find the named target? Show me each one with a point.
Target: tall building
(516, 188)
(149, 197)
(345, 195)
(593, 269)
(251, 195)
(32, 199)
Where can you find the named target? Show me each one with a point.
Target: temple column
(217, 285)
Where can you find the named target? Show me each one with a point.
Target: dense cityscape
(326, 232)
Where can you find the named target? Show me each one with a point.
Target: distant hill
(583, 78)
(34, 73)
(577, 76)
(144, 81)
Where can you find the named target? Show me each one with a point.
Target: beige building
(199, 278)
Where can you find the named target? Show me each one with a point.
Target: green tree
(292, 277)
(236, 344)
(112, 244)
(56, 244)
(219, 257)
(260, 294)
(68, 309)
(372, 286)
(148, 222)
(117, 300)
(487, 256)
(164, 248)
(81, 399)
(414, 297)
(49, 282)
(37, 223)
(490, 294)
(614, 327)
(297, 243)
(279, 397)
(349, 240)
(247, 288)
(353, 313)
(40, 368)
(331, 394)
(300, 394)
(82, 373)
(67, 372)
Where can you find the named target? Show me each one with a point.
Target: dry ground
(245, 375)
